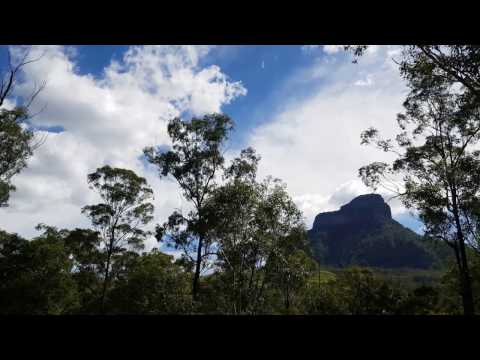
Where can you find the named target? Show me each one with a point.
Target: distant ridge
(363, 233)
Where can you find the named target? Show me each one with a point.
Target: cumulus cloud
(313, 143)
(107, 120)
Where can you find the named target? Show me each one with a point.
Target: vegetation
(243, 244)
(119, 217)
(194, 162)
(438, 162)
(17, 141)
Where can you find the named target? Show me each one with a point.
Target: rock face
(363, 233)
(365, 211)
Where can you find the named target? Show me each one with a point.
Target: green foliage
(61, 272)
(388, 246)
(15, 148)
(259, 238)
(16, 138)
(196, 154)
(83, 246)
(36, 275)
(428, 67)
(437, 156)
(364, 293)
(423, 300)
(150, 284)
(194, 162)
(126, 208)
(353, 291)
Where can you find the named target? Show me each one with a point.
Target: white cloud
(327, 49)
(368, 81)
(332, 49)
(336, 49)
(108, 120)
(313, 143)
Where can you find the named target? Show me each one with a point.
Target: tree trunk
(467, 294)
(196, 277)
(105, 284)
(465, 279)
(287, 299)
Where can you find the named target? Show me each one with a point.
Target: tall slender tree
(440, 171)
(443, 103)
(120, 217)
(195, 161)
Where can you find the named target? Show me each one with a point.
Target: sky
(301, 107)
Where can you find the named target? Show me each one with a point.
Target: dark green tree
(120, 218)
(150, 283)
(289, 270)
(17, 140)
(231, 215)
(258, 237)
(440, 164)
(83, 247)
(195, 161)
(365, 293)
(439, 168)
(36, 274)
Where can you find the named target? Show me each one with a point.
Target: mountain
(363, 233)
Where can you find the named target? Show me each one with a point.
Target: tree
(258, 236)
(17, 140)
(428, 66)
(365, 293)
(322, 295)
(289, 273)
(36, 275)
(440, 169)
(83, 247)
(423, 300)
(194, 161)
(441, 175)
(282, 231)
(231, 214)
(120, 217)
(150, 284)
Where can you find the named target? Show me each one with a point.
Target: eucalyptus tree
(17, 140)
(36, 274)
(440, 158)
(428, 66)
(195, 161)
(120, 217)
(231, 216)
(258, 234)
(438, 161)
(151, 283)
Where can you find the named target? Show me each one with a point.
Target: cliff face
(363, 232)
(364, 211)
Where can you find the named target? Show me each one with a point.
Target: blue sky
(302, 108)
(262, 70)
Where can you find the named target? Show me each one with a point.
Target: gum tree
(120, 217)
(195, 161)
